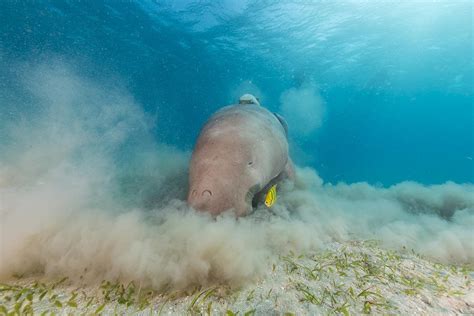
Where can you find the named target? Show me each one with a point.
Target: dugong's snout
(215, 200)
(199, 199)
(206, 194)
(206, 199)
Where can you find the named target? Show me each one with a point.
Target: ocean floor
(347, 278)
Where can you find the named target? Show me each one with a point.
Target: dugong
(241, 152)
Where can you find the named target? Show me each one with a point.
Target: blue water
(395, 78)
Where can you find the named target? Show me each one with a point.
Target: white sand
(349, 278)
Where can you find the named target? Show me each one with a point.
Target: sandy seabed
(353, 277)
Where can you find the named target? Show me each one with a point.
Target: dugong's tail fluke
(248, 99)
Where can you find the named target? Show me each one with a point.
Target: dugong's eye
(250, 163)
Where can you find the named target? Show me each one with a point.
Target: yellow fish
(271, 196)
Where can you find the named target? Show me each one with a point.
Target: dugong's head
(222, 177)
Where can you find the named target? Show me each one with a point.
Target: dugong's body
(240, 152)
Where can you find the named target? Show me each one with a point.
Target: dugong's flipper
(248, 99)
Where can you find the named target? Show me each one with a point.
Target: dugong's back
(239, 151)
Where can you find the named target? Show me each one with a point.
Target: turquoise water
(390, 81)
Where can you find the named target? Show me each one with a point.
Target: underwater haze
(101, 103)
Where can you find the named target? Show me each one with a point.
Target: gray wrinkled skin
(240, 151)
